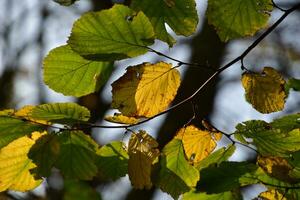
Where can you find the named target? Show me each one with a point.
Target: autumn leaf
(145, 89)
(121, 119)
(15, 165)
(197, 143)
(265, 91)
(271, 195)
(142, 150)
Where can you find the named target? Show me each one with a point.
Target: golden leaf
(146, 89)
(276, 167)
(265, 91)
(25, 111)
(142, 150)
(271, 195)
(197, 143)
(15, 165)
(121, 119)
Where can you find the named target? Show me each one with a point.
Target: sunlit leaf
(15, 166)
(270, 141)
(77, 155)
(237, 18)
(24, 113)
(70, 74)
(180, 15)
(197, 143)
(265, 91)
(176, 175)
(112, 34)
(146, 89)
(287, 123)
(112, 160)
(121, 119)
(224, 177)
(194, 195)
(44, 154)
(79, 190)
(216, 157)
(61, 112)
(142, 150)
(271, 195)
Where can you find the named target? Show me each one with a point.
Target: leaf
(44, 153)
(176, 175)
(79, 190)
(276, 167)
(224, 177)
(194, 195)
(61, 112)
(216, 157)
(145, 89)
(180, 15)
(142, 150)
(294, 84)
(265, 91)
(112, 34)
(121, 119)
(77, 155)
(12, 128)
(15, 166)
(112, 160)
(65, 2)
(238, 18)
(271, 195)
(270, 141)
(70, 74)
(287, 123)
(197, 143)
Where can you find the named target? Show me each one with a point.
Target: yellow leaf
(197, 143)
(6, 112)
(121, 119)
(25, 111)
(146, 89)
(265, 91)
(142, 150)
(15, 165)
(271, 195)
(276, 167)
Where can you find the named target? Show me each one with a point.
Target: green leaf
(270, 141)
(238, 18)
(224, 177)
(13, 128)
(287, 123)
(65, 2)
(216, 157)
(194, 195)
(180, 15)
(79, 190)
(77, 155)
(44, 154)
(112, 34)
(112, 160)
(70, 74)
(60, 112)
(294, 84)
(176, 175)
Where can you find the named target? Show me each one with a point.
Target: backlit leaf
(61, 112)
(112, 34)
(146, 89)
(15, 166)
(180, 15)
(112, 160)
(176, 175)
(70, 74)
(271, 195)
(238, 18)
(197, 143)
(44, 154)
(194, 195)
(294, 84)
(265, 91)
(121, 119)
(77, 155)
(142, 150)
(270, 141)
(224, 177)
